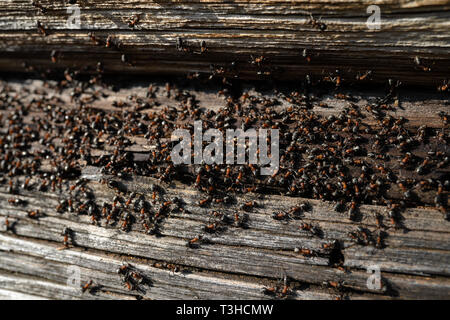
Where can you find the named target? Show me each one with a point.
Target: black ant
(41, 29)
(317, 23)
(257, 61)
(133, 20)
(182, 45)
(280, 216)
(88, 287)
(315, 231)
(196, 241)
(444, 86)
(39, 6)
(420, 65)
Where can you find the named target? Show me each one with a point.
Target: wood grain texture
(234, 31)
(237, 263)
(264, 249)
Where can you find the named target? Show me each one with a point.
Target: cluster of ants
(342, 158)
(283, 289)
(133, 279)
(339, 158)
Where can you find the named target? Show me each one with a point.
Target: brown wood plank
(234, 31)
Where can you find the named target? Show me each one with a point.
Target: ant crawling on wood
(280, 291)
(182, 45)
(257, 60)
(67, 233)
(9, 225)
(39, 6)
(41, 29)
(317, 24)
(313, 230)
(132, 278)
(444, 86)
(195, 242)
(133, 21)
(421, 65)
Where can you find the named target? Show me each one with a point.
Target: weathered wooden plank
(418, 107)
(265, 6)
(233, 31)
(43, 288)
(13, 295)
(110, 240)
(165, 284)
(413, 260)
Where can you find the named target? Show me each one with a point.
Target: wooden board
(236, 262)
(233, 32)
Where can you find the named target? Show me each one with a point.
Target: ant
(444, 86)
(9, 226)
(131, 277)
(25, 184)
(339, 207)
(305, 252)
(241, 220)
(94, 39)
(285, 291)
(87, 286)
(54, 56)
(352, 211)
(203, 48)
(196, 241)
(444, 117)
(393, 214)
(124, 58)
(315, 231)
(248, 206)
(109, 41)
(420, 65)
(329, 245)
(361, 77)
(280, 216)
(361, 236)
(379, 220)
(270, 291)
(204, 202)
(17, 202)
(317, 23)
(212, 228)
(181, 45)
(133, 20)
(297, 210)
(339, 285)
(379, 243)
(34, 214)
(279, 291)
(173, 268)
(67, 233)
(306, 55)
(39, 6)
(126, 221)
(41, 29)
(257, 61)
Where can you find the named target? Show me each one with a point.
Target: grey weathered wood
(43, 260)
(221, 255)
(238, 262)
(233, 31)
